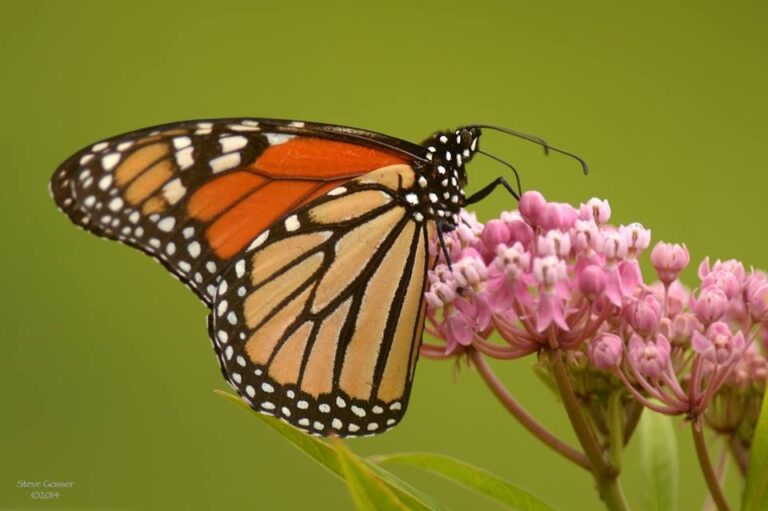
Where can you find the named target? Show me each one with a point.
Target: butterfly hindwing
(194, 194)
(319, 321)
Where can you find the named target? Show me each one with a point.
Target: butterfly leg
(487, 189)
(443, 227)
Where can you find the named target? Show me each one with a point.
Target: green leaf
(369, 492)
(470, 476)
(659, 462)
(327, 457)
(756, 490)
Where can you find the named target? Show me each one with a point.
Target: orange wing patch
(321, 158)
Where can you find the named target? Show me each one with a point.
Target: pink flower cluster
(552, 276)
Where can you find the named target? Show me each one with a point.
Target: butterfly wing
(320, 320)
(195, 194)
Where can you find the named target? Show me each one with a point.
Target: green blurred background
(106, 374)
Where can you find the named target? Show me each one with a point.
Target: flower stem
(706, 467)
(528, 422)
(605, 475)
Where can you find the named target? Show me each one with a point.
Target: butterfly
(308, 242)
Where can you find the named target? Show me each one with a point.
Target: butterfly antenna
(536, 140)
(507, 164)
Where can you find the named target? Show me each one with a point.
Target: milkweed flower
(550, 276)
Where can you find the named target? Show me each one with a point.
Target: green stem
(616, 428)
(606, 476)
(706, 467)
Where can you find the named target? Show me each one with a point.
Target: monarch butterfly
(307, 241)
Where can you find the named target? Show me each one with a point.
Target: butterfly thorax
(441, 181)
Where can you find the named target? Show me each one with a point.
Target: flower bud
(494, 234)
(568, 216)
(605, 351)
(757, 301)
(519, 230)
(643, 315)
(711, 305)
(531, 206)
(679, 328)
(669, 259)
(591, 282)
(725, 280)
(551, 216)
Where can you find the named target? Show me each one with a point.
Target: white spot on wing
(109, 161)
(233, 143)
(166, 224)
(174, 191)
(184, 158)
(105, 182)
(278, 138)
(338, 191)
(181, 142)
(292, 223)
(225, 162)
(261, 238)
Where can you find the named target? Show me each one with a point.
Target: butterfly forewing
(194, 194)
(319, 321)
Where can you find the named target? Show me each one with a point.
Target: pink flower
(591, 282)
(757, 296)
(508, 277)
(724, 280)
(669, 259)
(552, 216)
(440, 294)
(719, 346)
(531, 207)
(549, 272)
(730, 266)
(614, 246)
(643, 315)
(467, 319)
(519, 230)
(638, 238)
(631, 275)
(470, 270)
(494, 234)
(605, 351)
(599, 211)
(650, 358)
(554, 243)
(568, 217)
(711, 305)
(585, 237)
(679, 328)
